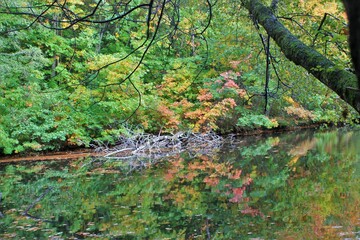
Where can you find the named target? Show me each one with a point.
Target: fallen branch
(118, 151)
(26, 212)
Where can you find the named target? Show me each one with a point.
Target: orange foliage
(190, 176)
(177, 165)
(204, 95)
(183, 103)
(207, 116)
(169, 118)
(165, 111)
(241, 92)
(236, 175)
(170, 175)
(251, 211)
(299, 112)
(211, 181)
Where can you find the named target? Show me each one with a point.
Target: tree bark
(342, 82)
(353, 12)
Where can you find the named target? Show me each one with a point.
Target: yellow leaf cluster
(299, 112)
(100, 61)
(75, 2)
(291, 101)
(319, 9)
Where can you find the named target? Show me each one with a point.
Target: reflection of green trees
(272, 193)
(325, 187)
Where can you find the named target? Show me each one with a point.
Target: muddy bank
(66, 155)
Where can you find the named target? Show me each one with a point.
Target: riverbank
(152, 145)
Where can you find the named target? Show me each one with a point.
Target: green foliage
(64, 88)
(256, 121)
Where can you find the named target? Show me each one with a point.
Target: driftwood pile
(143, 145)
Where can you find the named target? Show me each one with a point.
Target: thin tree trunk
(267, 75)
(343, 82)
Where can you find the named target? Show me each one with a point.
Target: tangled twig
(144, 145)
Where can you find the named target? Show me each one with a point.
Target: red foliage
(251, 211)
(237, 174)
(238, 193)
(211, 181)
(231, 84)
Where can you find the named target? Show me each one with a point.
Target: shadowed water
(302, 185)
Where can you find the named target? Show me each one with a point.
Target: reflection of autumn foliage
(251, 211)
(303, 147)
(211, 181)
(219, 177)
(239, 191)
(300, 150)
(176, 166)
(238, 194)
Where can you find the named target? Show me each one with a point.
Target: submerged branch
(1, 215)
(26, 212)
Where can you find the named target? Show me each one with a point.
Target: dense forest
(79, 72)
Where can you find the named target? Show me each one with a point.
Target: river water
(300, 185)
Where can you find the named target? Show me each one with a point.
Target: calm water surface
(303, 185)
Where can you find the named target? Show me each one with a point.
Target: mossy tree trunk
(343, 82)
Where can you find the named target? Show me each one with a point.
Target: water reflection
(302, 185)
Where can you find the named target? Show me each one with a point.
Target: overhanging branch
(342, 82)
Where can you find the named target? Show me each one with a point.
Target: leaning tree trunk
(342, 82)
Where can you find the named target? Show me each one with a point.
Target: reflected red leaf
(238, 193)
(211, 181)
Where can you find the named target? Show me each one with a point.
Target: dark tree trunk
(353, 12)
(344, 83)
